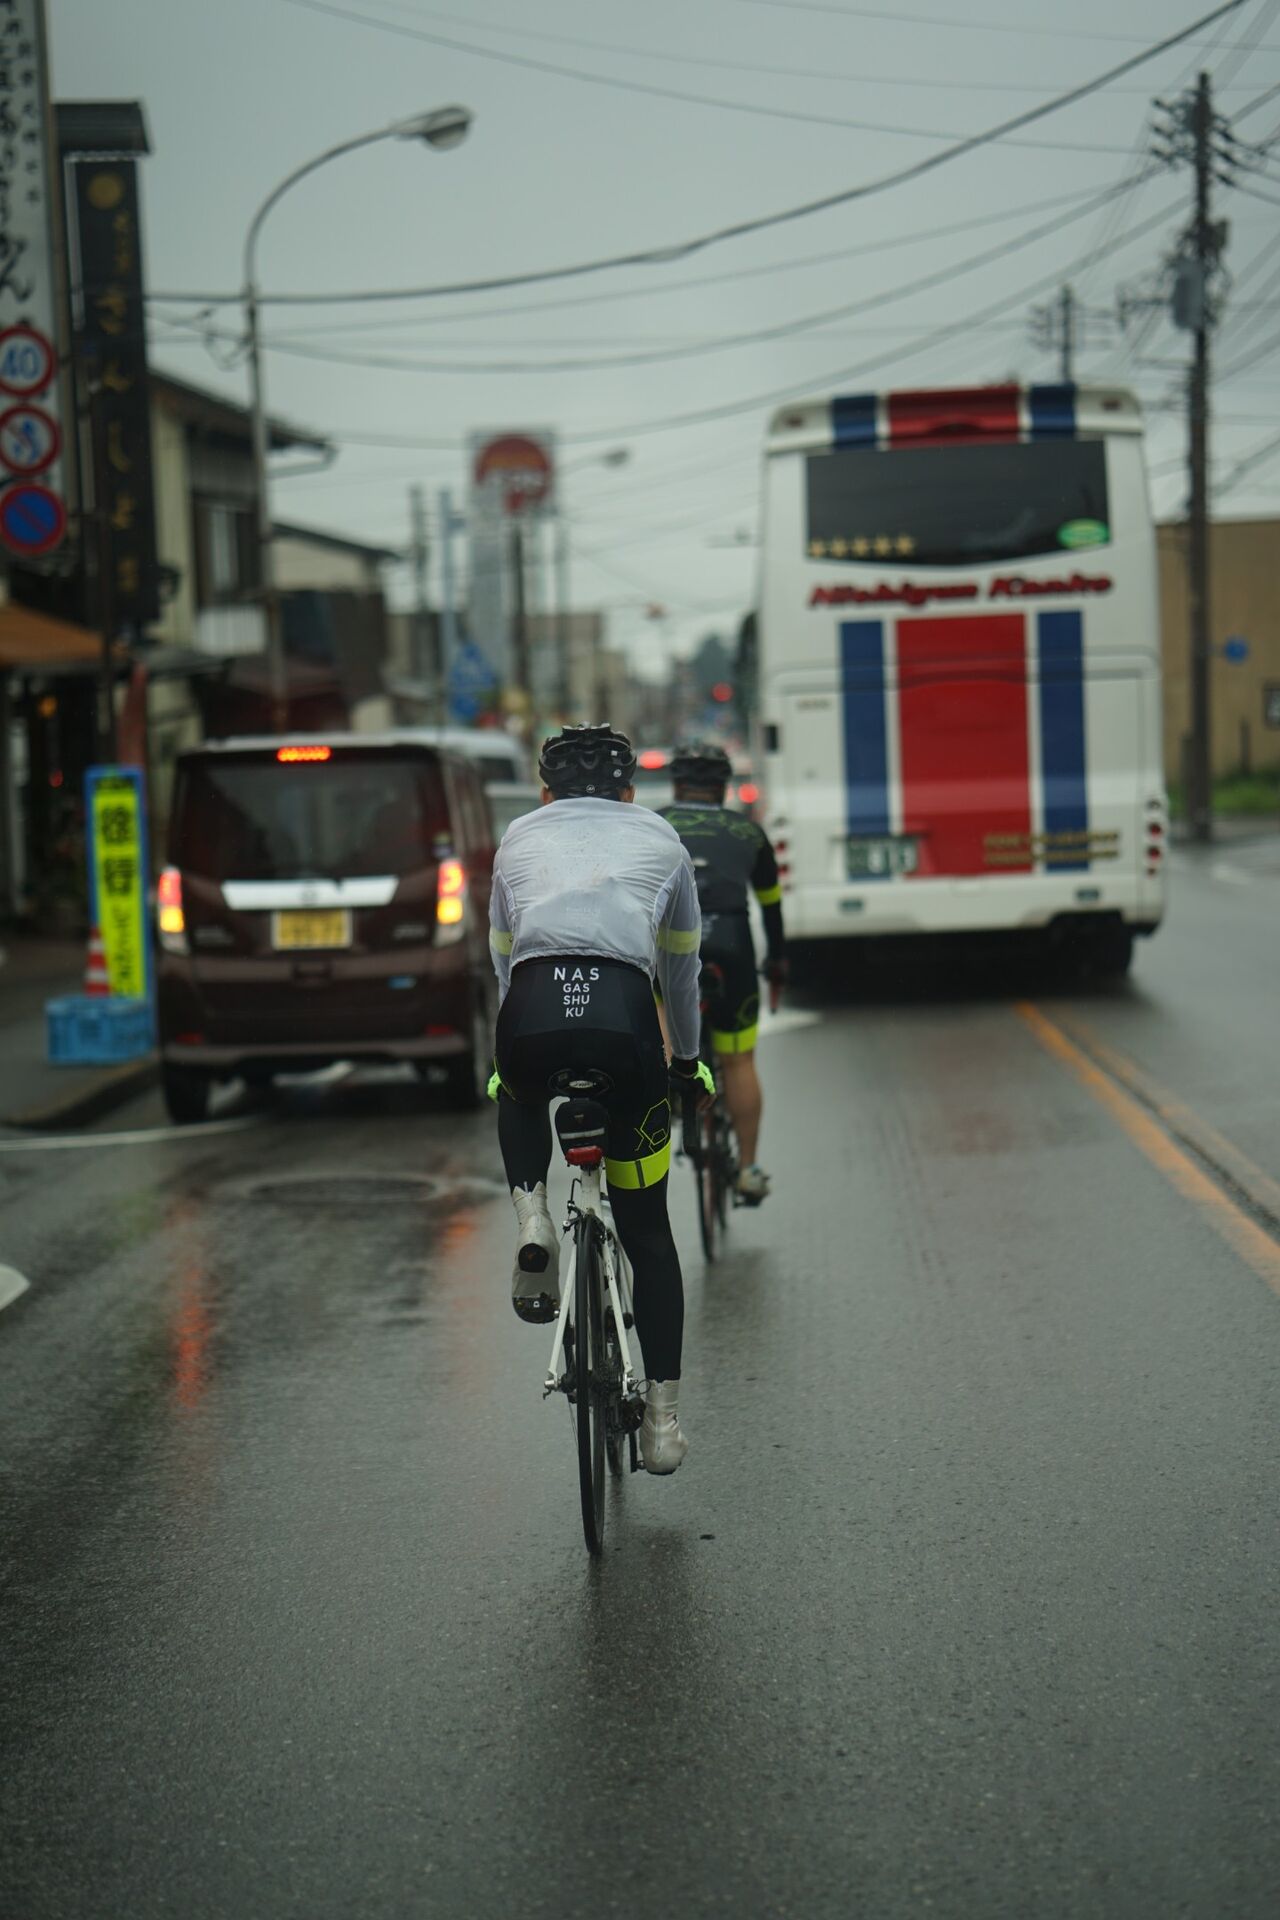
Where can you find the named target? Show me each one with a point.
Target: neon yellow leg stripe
(743, 1042)
(769, 896)
(645, 1172)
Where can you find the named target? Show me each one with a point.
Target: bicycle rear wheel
(589, 1380)
(727, 1164)
(705, 1168)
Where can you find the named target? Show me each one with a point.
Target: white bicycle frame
(587, 1197)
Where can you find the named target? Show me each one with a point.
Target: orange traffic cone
(97, 981)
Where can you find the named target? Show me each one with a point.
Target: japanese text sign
(115, 352)
(119, 873)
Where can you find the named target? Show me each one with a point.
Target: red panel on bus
(962, 719)
(946, 416)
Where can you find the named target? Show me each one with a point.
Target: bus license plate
(293, 931)
(876, 859)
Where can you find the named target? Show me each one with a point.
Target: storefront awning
(37, 643)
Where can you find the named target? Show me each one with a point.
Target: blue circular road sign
(32, 519)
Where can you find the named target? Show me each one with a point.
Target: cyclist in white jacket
(591, 900)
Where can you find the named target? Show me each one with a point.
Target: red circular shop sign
(519, 466)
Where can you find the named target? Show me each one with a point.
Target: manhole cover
(342, 1191)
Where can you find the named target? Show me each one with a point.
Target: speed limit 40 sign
(26, 362)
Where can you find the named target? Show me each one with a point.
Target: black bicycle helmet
(700, 763)
(587, 763)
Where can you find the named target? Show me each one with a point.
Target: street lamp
(442, 128)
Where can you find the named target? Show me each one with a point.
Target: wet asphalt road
(965, 1602)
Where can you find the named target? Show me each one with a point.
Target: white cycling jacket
(608, 879)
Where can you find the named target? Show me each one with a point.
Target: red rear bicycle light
(748, 793)
(585, 1156)
(651, 759)
(295, 756)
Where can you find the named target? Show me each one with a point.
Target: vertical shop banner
(32, 510)
(114, 348)
(119, 872)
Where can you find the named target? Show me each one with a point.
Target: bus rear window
(351, 816)
(958, 506)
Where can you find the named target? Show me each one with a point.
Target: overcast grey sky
(558, 170)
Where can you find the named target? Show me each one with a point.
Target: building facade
(1244, 632)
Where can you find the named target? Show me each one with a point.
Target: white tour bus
(959, 713)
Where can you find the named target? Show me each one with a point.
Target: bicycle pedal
(628, 1321)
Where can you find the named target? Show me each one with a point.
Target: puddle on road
(345, 1192)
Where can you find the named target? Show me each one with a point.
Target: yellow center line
(1230, 1222)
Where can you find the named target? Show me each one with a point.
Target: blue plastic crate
(85, 1031)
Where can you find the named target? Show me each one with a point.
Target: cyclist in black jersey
(731, 854)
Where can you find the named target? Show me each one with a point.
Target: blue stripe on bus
(866, 752)
(1062, 743)
(853, 420)
(1053, 412)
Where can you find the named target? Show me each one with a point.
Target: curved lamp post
(442, 128)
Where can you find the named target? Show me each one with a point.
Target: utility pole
(448, 598)
(521, 611)
(1063, 326)
(1204, 249)
(425, 663)
(1067, 332)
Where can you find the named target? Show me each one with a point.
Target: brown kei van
(326, 899)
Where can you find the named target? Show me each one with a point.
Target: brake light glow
(748, 793)
(450, 887)
(293, 756)
(169, 902)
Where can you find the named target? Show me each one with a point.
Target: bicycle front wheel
(590, 1387)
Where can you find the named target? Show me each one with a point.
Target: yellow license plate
(331, 928)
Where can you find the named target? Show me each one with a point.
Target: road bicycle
(708, 1140)
(591, 1356)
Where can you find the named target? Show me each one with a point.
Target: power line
(935, 20)
(1246, 465)
(916, 170)
(772, 70)
(653, 91)
(816, 383)
(723, 343)
(770, 269)
(1263, 19)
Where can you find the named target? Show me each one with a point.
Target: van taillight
(451, 893)
(172, 920)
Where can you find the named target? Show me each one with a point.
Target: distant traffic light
(722, 691)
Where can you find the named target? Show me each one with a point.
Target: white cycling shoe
(662, 1445)
(535, 1278)
(753, 1186)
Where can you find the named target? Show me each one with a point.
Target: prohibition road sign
(32, 519)
(29, 439)
(26, 362)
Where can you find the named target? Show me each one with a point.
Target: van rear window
(960, 506)
(352, 815)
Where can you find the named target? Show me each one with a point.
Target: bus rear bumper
(896, 907)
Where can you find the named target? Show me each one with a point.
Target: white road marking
(789, 1020)
(1233, 876)
(12, 1286)
(139, 1137)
